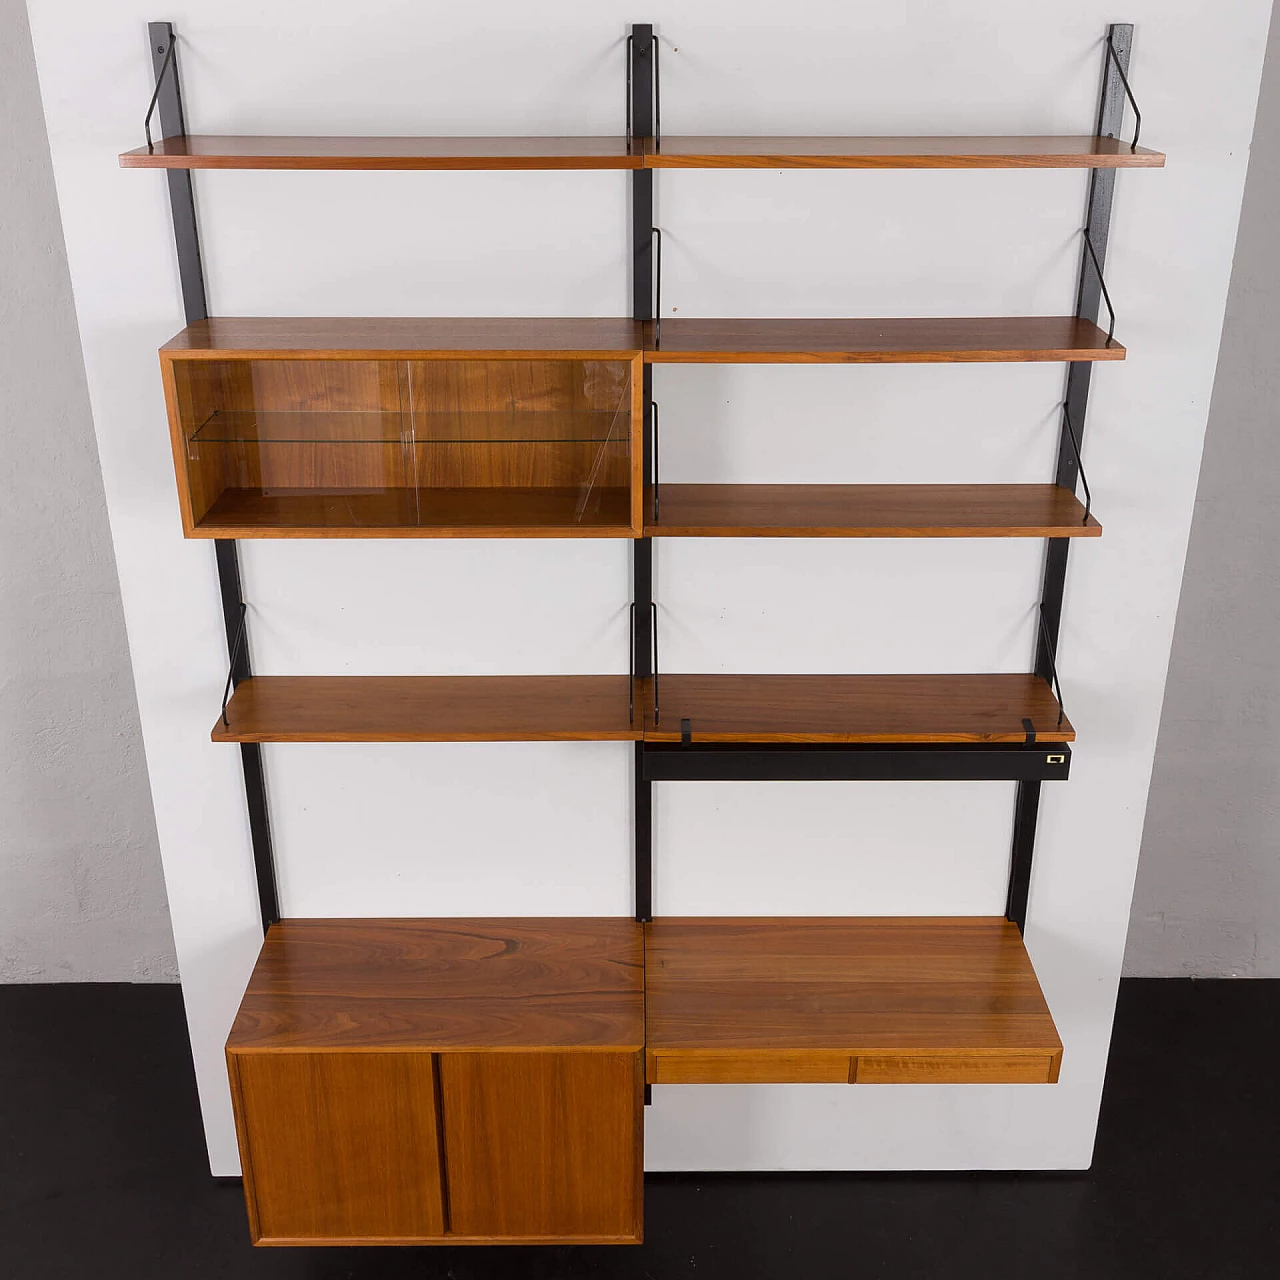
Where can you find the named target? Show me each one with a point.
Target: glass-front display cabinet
(312, 446)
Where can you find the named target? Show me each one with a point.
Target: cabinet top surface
(397, 337)
(452, 984)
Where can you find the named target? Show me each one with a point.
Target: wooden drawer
(987, 1068)
(732, 1067)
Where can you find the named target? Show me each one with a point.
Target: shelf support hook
(155, 97)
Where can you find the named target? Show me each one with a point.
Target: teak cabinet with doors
(456, 1081)
(479, 1081)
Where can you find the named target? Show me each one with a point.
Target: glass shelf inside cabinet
(499, 426)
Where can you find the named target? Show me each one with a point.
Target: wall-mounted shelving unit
(401, 1081)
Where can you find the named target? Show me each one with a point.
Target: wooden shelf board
(928, 340)
(407, 338)
(457, 984)
(867, 511)
(242, 151)
(427, 513)
(208, 151)
(430, 709)
(871, 1000)
(897, 153)
(855, 708)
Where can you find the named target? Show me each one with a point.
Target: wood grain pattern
(868, 511)
(1026, 152)
(892, 341)
(955, 998)
(338, 1147)
(211, 151)
(514, 447)
(990, 1068)
(207, 151)
(450, 984)
(544, 1144)
(856, 708)
(429, 709)
(401, 338)
(730, 1066)
(412, 513)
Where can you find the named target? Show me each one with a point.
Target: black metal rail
(167, 101)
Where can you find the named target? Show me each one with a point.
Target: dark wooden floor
(103, 1175)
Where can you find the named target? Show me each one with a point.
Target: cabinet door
(338, 1147)
(544, 1145)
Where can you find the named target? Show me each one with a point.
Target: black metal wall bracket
(1121, 66)
(236, 647)
(166, 49)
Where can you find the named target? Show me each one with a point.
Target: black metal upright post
(640, 113)
(186, 239)
(1115, 66)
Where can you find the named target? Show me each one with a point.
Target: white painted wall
(81, 898)
(544, 829)
(1207, 899)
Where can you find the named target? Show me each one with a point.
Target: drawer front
(544, 1146)
(986, 1069)
(736, 1067)
(338, 1147)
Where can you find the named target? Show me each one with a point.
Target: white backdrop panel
(877, 847)
(757, 244)
(461, 829)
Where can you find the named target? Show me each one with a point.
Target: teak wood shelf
(866, 511)
(429, 709)
(718, 708)
(924, 340)
(895, 1000)
(207, 151)
(481, 1081)
(857, 709)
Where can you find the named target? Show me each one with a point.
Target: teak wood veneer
(857, 709)
(719, 708)
(430, 709)
(922, 340)
(892, 1000)
(867, 511)
(442, 1081)
(213, 151)
(210, 151)
(892, 340)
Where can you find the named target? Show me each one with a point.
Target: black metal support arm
(1120, 63)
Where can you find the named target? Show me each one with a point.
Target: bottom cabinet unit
(448, 1081)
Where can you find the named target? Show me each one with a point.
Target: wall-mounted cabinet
(442, 1081)
(289, 442)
